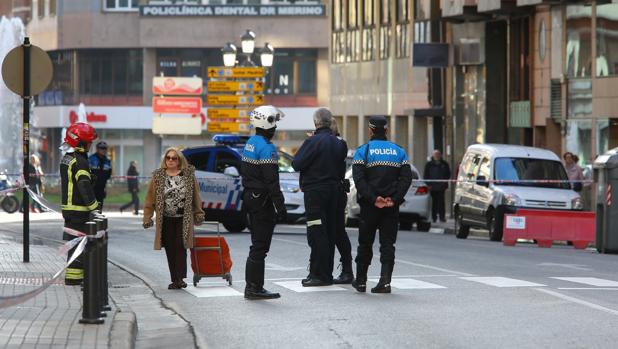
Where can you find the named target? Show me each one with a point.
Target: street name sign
(177, 105)
(220, 113)
(239, 72)
(215, 127)
(171, 85)
(235, 100)
(233, 86)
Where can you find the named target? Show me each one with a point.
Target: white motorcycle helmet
(265, 117)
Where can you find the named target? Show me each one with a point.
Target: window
(285, 162)
(52, 7)
(579, 41)
(337, 18)
(225, 159)
(422, 32)
(111, 72)
(199, 160)
(607, 39)
(484, 170)
(121, 5)
(294, 72)
(527, 169)
(41, 8)
(369, 19)
(385, 29)
(520, 59)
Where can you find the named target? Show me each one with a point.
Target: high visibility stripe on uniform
(70, 184)
(90, 207)
(314, 222)
(74, 274)
(82, 173)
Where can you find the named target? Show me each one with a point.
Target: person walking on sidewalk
(133, 184)
(35, 182)
(173, 197)
(437, 169)
(342, 240)
(320, 161)
(101, 167)
(382, 175)
(262, 196)
(78, 199)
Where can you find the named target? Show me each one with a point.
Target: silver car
(415, 209)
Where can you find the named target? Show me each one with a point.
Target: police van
(217, 171)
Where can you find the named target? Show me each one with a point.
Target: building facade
(106, 53)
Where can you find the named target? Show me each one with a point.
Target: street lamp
(229, 54)
(247, 41)
(267, 53)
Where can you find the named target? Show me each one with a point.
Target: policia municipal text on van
(78, 199)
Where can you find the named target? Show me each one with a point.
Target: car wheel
(494, 225)
(423, 225)
(405, 225)
(461, 230)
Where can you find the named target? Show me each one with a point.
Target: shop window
(607, 39)
(579, 139)
(121, 5)
(579, 41)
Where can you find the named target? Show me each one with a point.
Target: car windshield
(515, 169)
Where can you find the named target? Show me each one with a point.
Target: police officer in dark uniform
(78, 199)
(320, 160)
(262, 197)
(382, 176)
(101, 168)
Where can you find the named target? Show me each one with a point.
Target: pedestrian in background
(320, 161)
(133, 185)
(35, 182)
(101, 168)
(437, 169)
(342, 241)
(574, 172)
(382, 175)
(262, 196)
(173, 197)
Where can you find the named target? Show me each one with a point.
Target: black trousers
(437, 204)
(134, 201)
(262, 220)
(321, 211)
(342, 241)
(171, 237)
(75, 271)
(386, 220)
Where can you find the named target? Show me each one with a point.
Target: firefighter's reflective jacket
(78, 198)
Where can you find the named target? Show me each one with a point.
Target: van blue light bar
(230, 139)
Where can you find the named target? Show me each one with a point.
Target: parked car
(217, 168)
(490, 185)
(415, 209)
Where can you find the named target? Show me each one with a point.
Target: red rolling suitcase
(210, 256)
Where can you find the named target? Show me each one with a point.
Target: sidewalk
(51, 318)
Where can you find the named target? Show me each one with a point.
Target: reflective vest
(73, 167)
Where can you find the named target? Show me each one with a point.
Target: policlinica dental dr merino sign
(232, 10)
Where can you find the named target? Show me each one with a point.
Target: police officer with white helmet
(382, 176)
(262, 197)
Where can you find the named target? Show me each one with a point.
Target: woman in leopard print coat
(173, 197)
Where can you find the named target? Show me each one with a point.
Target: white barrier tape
(10, 190)
(46, 204)
(99, 234)
(20, 298)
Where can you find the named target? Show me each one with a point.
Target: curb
(124, 330)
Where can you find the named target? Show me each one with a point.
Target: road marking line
(432, 267)
(577, 301)
(212, 291)
(277, 267)
(589, 281)
(589, 288)
(411, 284)
(296, 286)
(502, 282)
(292, 242)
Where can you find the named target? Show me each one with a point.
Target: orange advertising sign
(169, 85)
(177, 105)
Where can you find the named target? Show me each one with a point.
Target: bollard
(105, 297)
(99, 267)
(91, 310)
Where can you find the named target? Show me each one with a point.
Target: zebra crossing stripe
(502, 282)
(589, 281)
(296, 286)
(212, 291)
(411, 284)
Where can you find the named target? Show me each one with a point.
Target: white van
(481, 199)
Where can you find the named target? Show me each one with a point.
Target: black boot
(347, 275)
(312, 273)
(384, 285)
(360, 283)
(254, 276)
